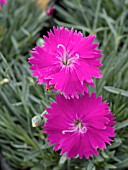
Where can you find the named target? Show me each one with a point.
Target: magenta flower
(79, 126)
(67, 61)
(2, 2)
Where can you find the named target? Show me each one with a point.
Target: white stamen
(74, 58)
(77, 128)
(66, 58)
(77, 56)
(66, 131)
(65, 52)
(82, 129)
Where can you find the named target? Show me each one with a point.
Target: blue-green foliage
(21, 98)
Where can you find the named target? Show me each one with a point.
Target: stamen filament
(74, 58)
(66, 131)
(65, 52)
(66, 58)
(80, 128)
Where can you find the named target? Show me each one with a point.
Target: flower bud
(37, 121)
(4, 81)
(50, 10)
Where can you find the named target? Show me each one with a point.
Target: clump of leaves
(21, 98)
(20, 24)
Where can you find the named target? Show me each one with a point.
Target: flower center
(65, 57)
(78, 126)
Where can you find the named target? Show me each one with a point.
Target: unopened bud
(50, 10)
(37, 121)
(5, 80)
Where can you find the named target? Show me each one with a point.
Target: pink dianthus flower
(79, 126)
(67, 61)
(2, 2)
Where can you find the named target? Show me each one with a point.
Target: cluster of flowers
(2, 2)
(77, 123)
